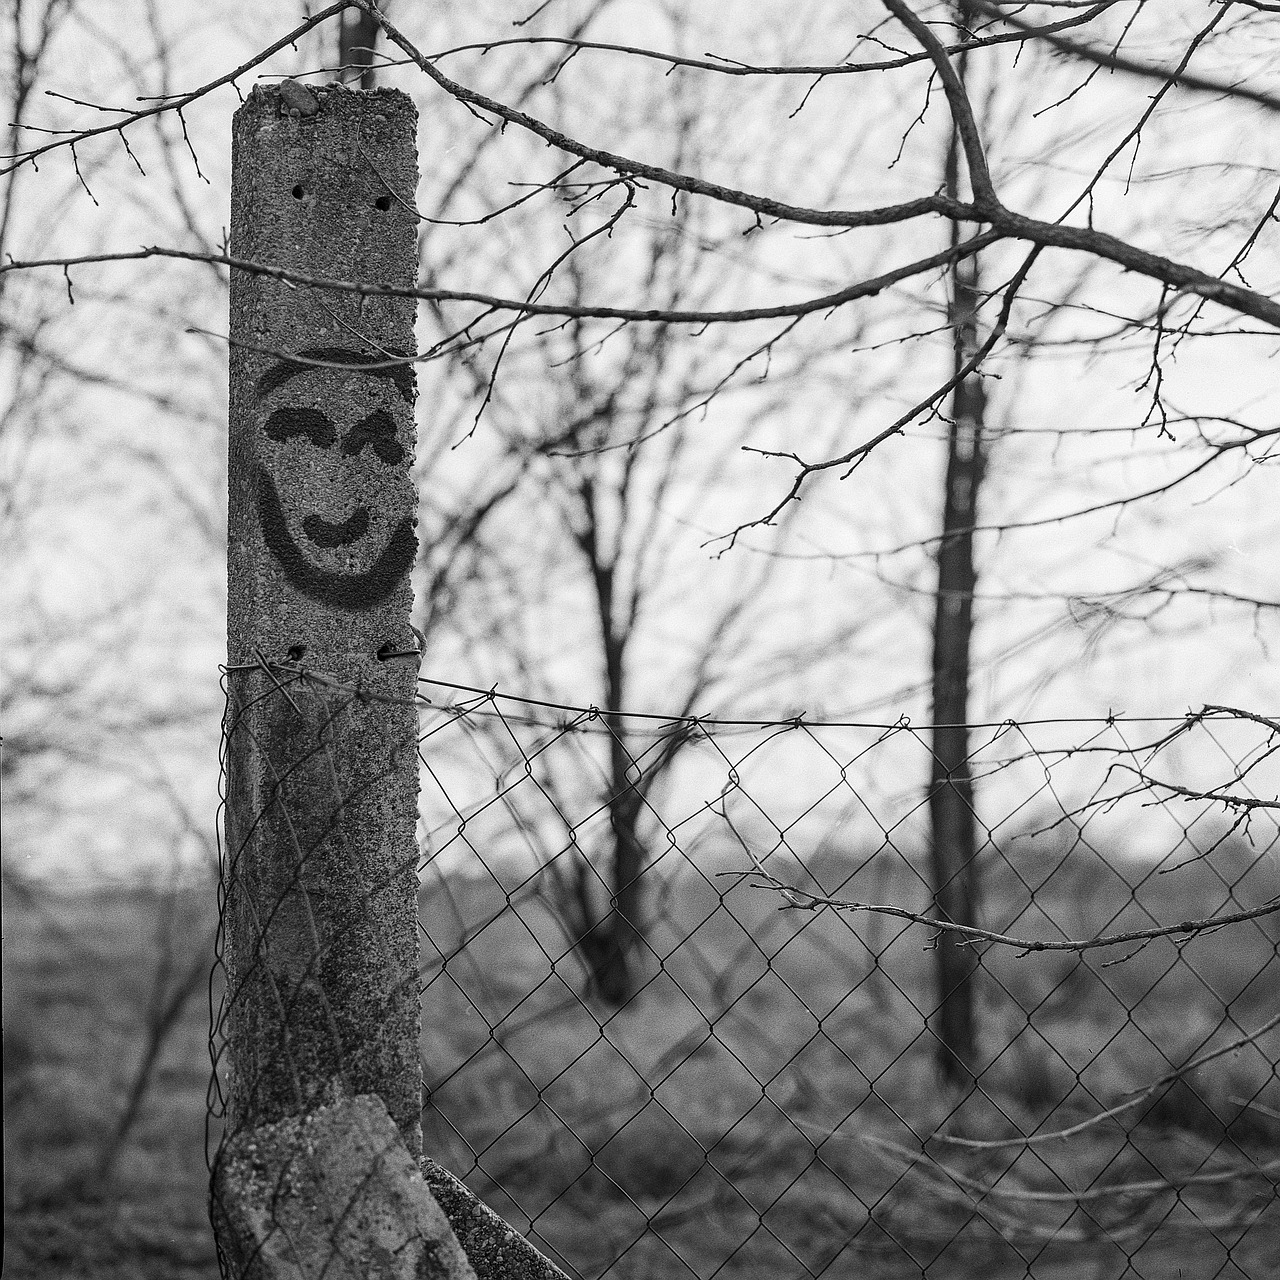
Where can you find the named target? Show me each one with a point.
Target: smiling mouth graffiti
(377, 433)
(346, 590)
(324, 533)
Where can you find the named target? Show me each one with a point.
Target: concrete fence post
(320, 944)
(321, 940)
(320, 1171)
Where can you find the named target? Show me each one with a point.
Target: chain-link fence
(684, 1018)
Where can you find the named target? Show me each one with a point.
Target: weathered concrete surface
(321, 946)
(495, 1249)
(312, 448)
(332, 1194)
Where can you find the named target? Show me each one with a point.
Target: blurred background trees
(712, 474)
(698, 435)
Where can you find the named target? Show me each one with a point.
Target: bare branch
(803, 900)
(765, 206)
(825, 302)
(181, 100)
(1111, 61)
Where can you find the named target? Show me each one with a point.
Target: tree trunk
(614, 976)
(609, 945)
(952, 818)
(357, 37)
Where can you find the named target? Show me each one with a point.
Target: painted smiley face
(350, 457)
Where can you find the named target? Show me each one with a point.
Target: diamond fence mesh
(679, 987)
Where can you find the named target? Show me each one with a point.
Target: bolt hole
(299, 192)
(382, 203)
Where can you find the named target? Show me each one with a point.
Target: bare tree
(603, 449)
(1173, 295)
(953, 837)
(1009, 214)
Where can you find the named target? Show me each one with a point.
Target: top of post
(335, 173)
(322, 503)
(288, 98)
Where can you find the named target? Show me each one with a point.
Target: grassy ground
(759, 1110)
(85, 976)
(764, 1105)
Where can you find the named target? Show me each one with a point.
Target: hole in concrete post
(299, 191)
(382, 203)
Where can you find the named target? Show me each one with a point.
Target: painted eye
(287, 422)
(378, 430)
